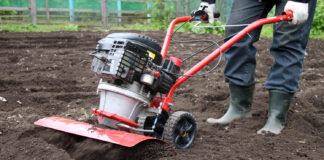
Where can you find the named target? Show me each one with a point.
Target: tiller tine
(87, 130)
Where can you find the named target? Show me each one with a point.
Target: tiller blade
(88, 130)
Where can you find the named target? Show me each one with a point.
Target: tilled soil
(45, 74)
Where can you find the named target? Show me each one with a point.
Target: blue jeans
(288, 46)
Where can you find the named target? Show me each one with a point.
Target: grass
(38, 28)
(266, 30)
(317, 34)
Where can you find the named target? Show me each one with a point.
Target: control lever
(201, 15)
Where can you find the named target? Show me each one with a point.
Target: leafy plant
(83, 111)
(38, 28)
(318, 23)
(204, 28)
(71, 27)
(31, 27)
(160, 13)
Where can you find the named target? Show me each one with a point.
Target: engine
(132, 72)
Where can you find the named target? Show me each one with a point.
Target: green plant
(31, 27)
(38, 28)
(19, 27)
(317, 30)
(71, 27)
(204, 29)
(84, 113)
(267, 31)
(160, 13)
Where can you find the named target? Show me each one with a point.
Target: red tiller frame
(285, 16)
(114, 117)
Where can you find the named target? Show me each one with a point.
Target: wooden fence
(104, 13)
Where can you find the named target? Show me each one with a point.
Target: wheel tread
(170, 124)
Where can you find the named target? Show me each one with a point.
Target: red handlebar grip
(289, 14)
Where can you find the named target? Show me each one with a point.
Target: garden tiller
(136, 85)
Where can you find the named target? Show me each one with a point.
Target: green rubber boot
(278, 107)
(240, 104)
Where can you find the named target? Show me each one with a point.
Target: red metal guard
(285, 16)
(88, 130)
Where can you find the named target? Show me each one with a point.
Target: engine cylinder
(125, 102)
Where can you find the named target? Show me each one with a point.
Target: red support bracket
(114, 117)
(156, 102)
(165, 103)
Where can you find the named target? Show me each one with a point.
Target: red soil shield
(87, 130)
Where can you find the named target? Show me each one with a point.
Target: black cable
(199, 51)
(202, 74)
(159, 68)
(192, 41)
(196, 53)
(180, 27)
(161, 96)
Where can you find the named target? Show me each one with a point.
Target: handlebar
(285, 16)
(199, 15)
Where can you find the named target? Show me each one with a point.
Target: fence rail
(103, 13)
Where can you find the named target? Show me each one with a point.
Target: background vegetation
(161, 22)
(161, 14)
(318, 24)
(38, 28)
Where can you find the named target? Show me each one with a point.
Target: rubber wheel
(180, 130)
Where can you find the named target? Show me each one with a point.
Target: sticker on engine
(151, 55)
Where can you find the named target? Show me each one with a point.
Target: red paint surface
(87, 130)
(168, 36)
(114, 117)
(176, 61)
(285, 16)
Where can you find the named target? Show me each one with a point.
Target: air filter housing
(124, 56)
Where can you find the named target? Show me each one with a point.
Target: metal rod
(122, 125)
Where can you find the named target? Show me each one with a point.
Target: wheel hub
(184, 132)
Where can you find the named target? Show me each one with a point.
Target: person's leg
(240, 104)
(288, 49)
(240, 59)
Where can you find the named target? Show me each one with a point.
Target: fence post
(178, 8)
(47, 11)
(148, 7)
(33, 11)
(71, 6)
(104, 17)
(119, 14)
